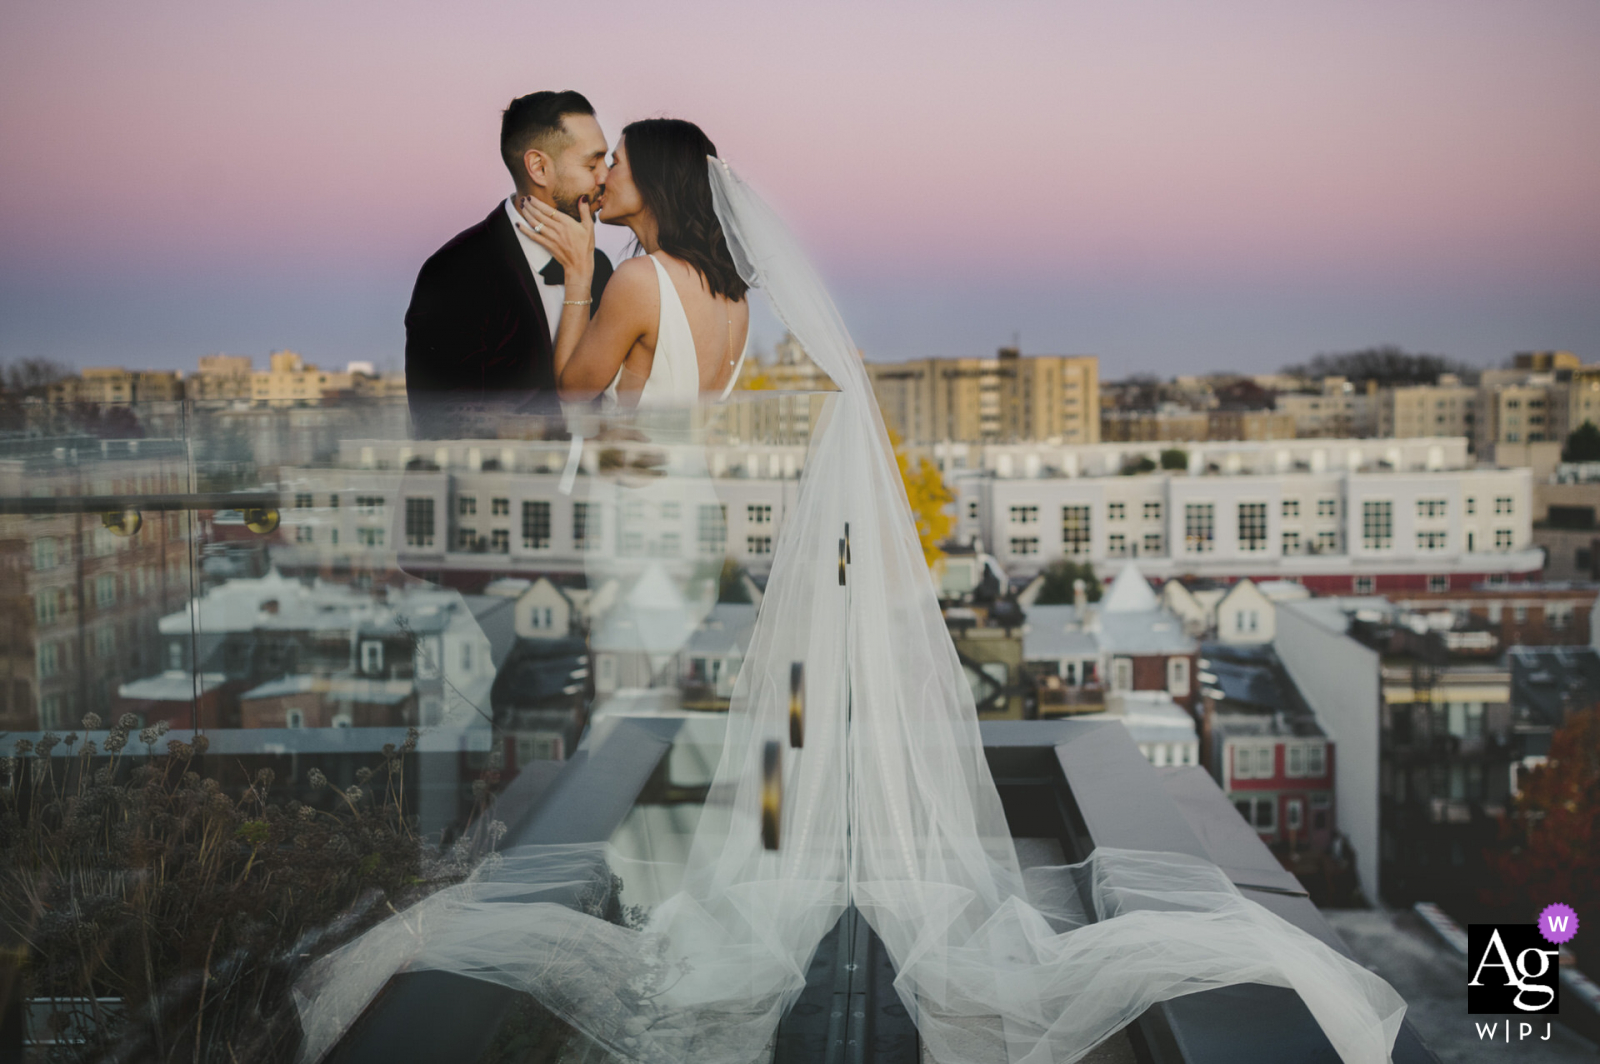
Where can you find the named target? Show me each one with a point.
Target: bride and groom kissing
(521, 309)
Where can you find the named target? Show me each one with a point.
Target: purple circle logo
(1558, 923)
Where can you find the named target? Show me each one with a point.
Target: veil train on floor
(888, 804)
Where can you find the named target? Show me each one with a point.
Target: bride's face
(621, 202)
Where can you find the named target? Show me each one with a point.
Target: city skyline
(1171, 190)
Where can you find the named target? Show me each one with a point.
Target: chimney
(1079, 594)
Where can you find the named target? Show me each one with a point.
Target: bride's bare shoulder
(632, 286)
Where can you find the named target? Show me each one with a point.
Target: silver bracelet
(576, 302)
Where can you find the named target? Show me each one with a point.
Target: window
(1328, 508)
(371, 657)
(1024, 515)
(49, 664)
(1291, 509)
(1252, 526)
(500, 507)
(1291, 543)
(542, 617)
(467, 506)
(1438, 583)
(1558, 615)
(303, 501)
(1502, 539)
(1199, 535)
(586, 525)
(105, 591)
(1472, 505)
(44, 553)
(758, 544)
(500, 541)
(369, 504)
(1075, 529)
(333, 502)
(1245, 621)
(369, 537)
(1122, 674)
(46, 605)
(1319, 812)
(1117, 545)
(758, 515)
(536, 525)
(1178, 677)
(1431, 507)
(1025, 545)
(972, 509)
(666, 545)
(1152, 543)
(1116, 511)
(1296, 757)
(1519, 615)
(419, 522)
(1377, 524)
(1293, 811)
(294, 718)
(105, 644)
(175, 655)
(466, 657)
(671, 510)
(1502, 505)
(304, 534)
(1362, 585)
(1152, 510)
(1431, 540)
(713, 530)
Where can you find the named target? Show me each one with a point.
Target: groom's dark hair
(668, 159)
(534, 121)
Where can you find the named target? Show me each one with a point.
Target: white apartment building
(1334, 531)
(1338, 516)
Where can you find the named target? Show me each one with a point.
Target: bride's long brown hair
(668, 160)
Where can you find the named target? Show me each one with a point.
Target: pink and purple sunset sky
(1175, 187)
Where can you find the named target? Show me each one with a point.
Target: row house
(1079, 654)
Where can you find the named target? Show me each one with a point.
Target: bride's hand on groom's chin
(569, 240)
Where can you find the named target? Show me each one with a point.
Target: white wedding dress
(674, 379)
(888, 805)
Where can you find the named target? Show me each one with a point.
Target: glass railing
(271, 672)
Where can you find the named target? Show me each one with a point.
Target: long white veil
(887, 804)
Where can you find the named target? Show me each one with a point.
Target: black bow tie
(553, 273)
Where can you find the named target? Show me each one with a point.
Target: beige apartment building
(1448, 408)
(225, 377)
(1009, 397)
(111, 386)
(1583, 397)
(1177, 424)
(291, 380)
(1519, 408)
(1339, 411)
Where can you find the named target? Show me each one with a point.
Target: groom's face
(579, 166)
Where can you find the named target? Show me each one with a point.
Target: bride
(674, 321)
(887, 803)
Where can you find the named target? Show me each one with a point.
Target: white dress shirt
(538, 257)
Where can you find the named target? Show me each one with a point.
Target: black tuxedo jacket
(476, 331)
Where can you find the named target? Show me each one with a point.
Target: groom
(480, 329)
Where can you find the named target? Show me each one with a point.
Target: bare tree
(1387, 364)
(30, 376)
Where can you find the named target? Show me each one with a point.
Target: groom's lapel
(510, 249)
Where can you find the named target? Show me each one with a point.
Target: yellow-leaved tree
(928, 496)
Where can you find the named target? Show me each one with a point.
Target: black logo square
(1511, 969)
